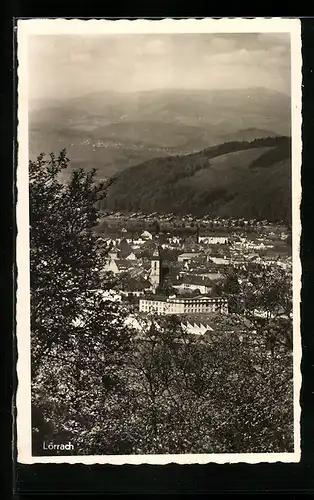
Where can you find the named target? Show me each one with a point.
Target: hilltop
(250, 179)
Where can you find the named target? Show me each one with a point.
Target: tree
(216, 289)
(252, 394)
(77, 327)
(264, 295)
(231, 289)
(156, 227)
(166, 288)
(218, 393)
(166, 401)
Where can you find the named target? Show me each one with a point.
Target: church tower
(155, 270)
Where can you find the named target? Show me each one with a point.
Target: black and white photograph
(158, 232)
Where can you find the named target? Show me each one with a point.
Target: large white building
(182, 305)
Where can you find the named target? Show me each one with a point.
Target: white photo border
(27, 27)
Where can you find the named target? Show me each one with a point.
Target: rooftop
(174, 298)
(192, 279)
(136, 284)
(157, 298)
(189, 254)
(217, 321)
(124, 263)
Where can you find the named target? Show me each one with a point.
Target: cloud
(66, 64)
(244, 57)
(222, 43)
(274, 38)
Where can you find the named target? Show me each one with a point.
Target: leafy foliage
(165, 287)
(264, 295)
(109, 390)
(199, 395)
(77, 330)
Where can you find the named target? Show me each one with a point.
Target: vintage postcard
(158, 232)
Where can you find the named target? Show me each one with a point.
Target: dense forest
(250, 179)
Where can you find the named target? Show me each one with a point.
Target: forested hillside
(249, 179)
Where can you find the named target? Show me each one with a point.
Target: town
(168, 264)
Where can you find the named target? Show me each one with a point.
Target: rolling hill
(112, 131)
(250, 179)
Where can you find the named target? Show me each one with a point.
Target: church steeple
(155, 269)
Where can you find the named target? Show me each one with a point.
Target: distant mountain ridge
(112, 131)
(250, 179)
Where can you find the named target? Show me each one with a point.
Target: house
(194, 282)
(211, 272)
(136, 287)
(212, 326)
(146, 235)
(138, 242)
(214, 323)
(138, 272)
(213, 239)
(118, 266)
(174, 240)
(219, 260)
(111, 266)
(187, 256)
(124, 265)
(196, 326)
(131, 256)
(113, 254)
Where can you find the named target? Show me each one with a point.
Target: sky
(64, 66)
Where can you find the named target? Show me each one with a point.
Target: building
(182, 305)
(111, 266)
(113, 254)
(119, 266)
(155, 270)
(131, 256)
(187, 256)
(194, 282)
(138, 242)
(135, 287)
(212, 273)
(214, 327)
(213, 239)
(219, 260)
(146, 235)
(196, 326)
